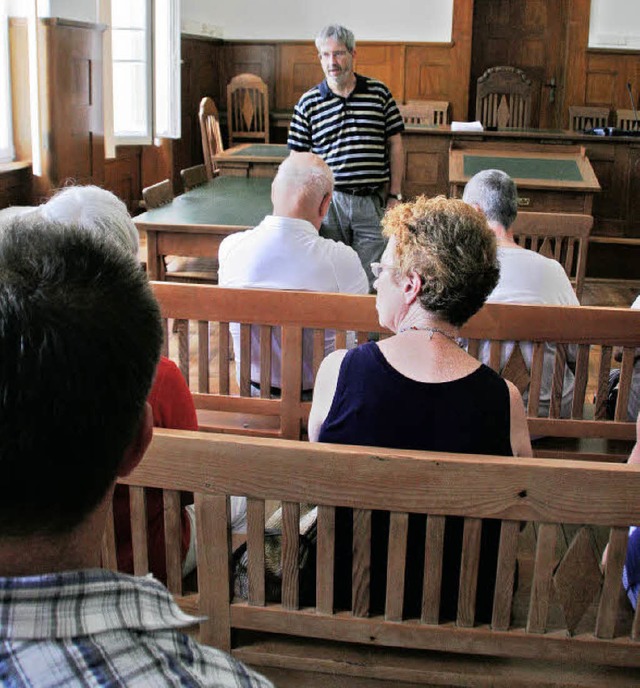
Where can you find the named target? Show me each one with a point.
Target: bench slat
(505, 575)
(223, 357)
(580, 381)
(469, 572)
(434, 544)
(173, 540)
(203, 356)
(398, 529)
(608, 608)
(255, 551)
(245, 360)
(265, 361)
(139, 535)
(541, 586)
(361, 571)
(214, 571)
(325, 559)
(290, 555)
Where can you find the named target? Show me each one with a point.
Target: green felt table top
(223, 201)
(262, 150)
(525, 168)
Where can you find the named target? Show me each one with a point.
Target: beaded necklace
(431, 331)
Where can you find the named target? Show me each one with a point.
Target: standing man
(352, 122)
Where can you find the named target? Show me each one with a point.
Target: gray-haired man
(352, 121)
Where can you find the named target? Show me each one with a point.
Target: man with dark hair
(80, 339)
(525, 276)
(353, 123)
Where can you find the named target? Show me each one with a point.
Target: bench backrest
(224, 406)
(565, 608)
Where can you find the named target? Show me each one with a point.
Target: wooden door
(529, 34)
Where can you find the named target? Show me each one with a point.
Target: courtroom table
(549, 179)
(251, 160)
(195, 223)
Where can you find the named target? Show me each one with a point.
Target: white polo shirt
(287, 253)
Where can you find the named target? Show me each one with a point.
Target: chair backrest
(504, 98)
(210, 133)
(247, 109)
(626, 119)
(425, 112)
(158, 194)
(582, 117)
(561, 236)
(193, 176)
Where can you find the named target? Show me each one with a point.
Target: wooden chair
(247, 109)
(194, 176)
(626, 119)
(425, 112)
(582, 117)
(561, 236)
(157, 194)
(210, 133)
(504, 98)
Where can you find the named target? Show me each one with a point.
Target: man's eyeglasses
(377, 268)
(336, 54)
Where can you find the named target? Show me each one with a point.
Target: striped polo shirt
(351, 133)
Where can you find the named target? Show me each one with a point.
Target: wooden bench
(203, 343)
(567, 623)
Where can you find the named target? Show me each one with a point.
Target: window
(145, 63)
(6, 135)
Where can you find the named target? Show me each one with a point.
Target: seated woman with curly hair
(418, 389)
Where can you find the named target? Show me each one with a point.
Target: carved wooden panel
(384, 62)
(122, 176)
(607, 75)
(254, 58)
(15, 185)
(298, 69)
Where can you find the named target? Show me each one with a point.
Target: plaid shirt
(99, 628)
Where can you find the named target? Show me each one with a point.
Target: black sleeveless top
(376, 405)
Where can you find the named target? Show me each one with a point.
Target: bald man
(285, 251)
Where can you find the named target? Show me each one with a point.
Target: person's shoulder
(347, 267)
(312, 95)
(373, 84)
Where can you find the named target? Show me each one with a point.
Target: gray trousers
(355, 220)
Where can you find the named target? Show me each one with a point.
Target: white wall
(79, 10)
(402, 20)
(614, 24)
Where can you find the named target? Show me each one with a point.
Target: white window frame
(7, 151)
(172, 78)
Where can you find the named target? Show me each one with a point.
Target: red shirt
(173, 407)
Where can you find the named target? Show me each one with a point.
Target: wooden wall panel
(255, 58)
(122, 176)
(15, 184)
(298, 69)
(200, 77)
(385, 62)
(607, 75)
